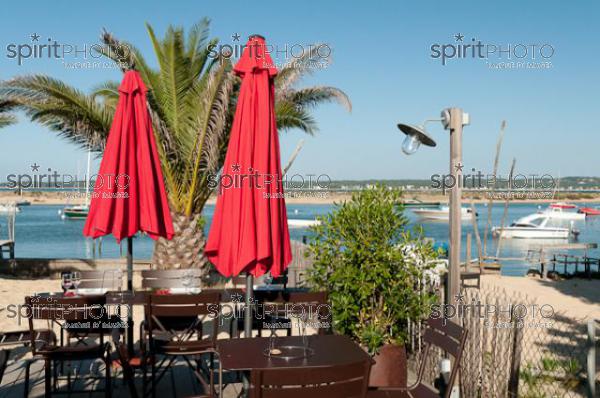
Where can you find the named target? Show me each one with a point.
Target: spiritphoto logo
(73, 56)
(250, 177)
(317, 316)
(516, 183)
(497, 315)
(105, 316)
(495, 55)
(282, 54)
(50, 179)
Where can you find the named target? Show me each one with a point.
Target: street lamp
(453, 119)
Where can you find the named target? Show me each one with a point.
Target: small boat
(442, 213)
(563, 211)
(418, 203)
(80, 212)
(23, 203)
(590, 211)
(298, 223)
(533, 226)
(75, 212)
(562, 205)
(9, 208)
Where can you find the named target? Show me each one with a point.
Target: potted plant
(374, 269)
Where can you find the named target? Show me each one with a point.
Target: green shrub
(373, 268)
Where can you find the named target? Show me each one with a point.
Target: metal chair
(172, 278)
(340, 381)
(107, 279)
(450, 338)
(57, 311)
(280, 303)
(4, 355)
(129, 373)
(175, 326)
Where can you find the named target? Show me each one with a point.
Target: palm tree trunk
(186, 249)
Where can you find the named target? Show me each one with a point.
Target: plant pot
(389, 369)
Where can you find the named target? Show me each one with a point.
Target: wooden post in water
(488, 224)
(477, 238)
(505, 213)
(468, 254)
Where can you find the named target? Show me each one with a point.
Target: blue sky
(381, 59)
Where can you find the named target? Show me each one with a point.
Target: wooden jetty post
(9, 244)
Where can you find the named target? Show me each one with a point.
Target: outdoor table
(248, 353)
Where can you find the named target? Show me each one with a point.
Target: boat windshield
(533, 223)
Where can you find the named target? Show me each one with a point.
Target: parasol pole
(248, 309)
(130, 288)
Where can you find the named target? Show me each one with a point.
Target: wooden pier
(570, 264)
(7, 246)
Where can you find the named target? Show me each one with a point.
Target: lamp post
(453, 119)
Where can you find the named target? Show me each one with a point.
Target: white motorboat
(442, 213)
(298, 223)
(9, 208)
(562, 211)
(533, 226)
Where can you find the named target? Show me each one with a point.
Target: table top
(248, 353)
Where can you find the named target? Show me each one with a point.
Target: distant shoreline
(310, 198)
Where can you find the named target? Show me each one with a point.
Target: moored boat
(562, 205)
(533, 226)
(442, 213)
(9, 208)
(75, 212)
(563, 211)
(590, 211)
(298, 223)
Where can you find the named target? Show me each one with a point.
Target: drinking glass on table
(302, 321)
(76, 280)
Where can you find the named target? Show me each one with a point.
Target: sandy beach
(576, 298)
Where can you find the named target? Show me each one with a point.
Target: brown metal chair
(173, 322)
(450, 338)
(58, 311)
(4, 355)
(340, 381)
(167, 279)
(129, 373)
(277, 301)
(111, 279)
(172, 278)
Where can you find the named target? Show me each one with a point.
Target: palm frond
(304, 65)
(62, 108)
(291, 116)
(314, 96)
(108, 93)
(6, 118)
(121, 53)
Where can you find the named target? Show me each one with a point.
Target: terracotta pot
(389, 369)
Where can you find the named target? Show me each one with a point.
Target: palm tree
(191, 99)
(5, 117)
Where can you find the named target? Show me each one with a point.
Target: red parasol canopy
(249, 231)
(129, 194)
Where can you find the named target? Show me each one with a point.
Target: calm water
(40, 232)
